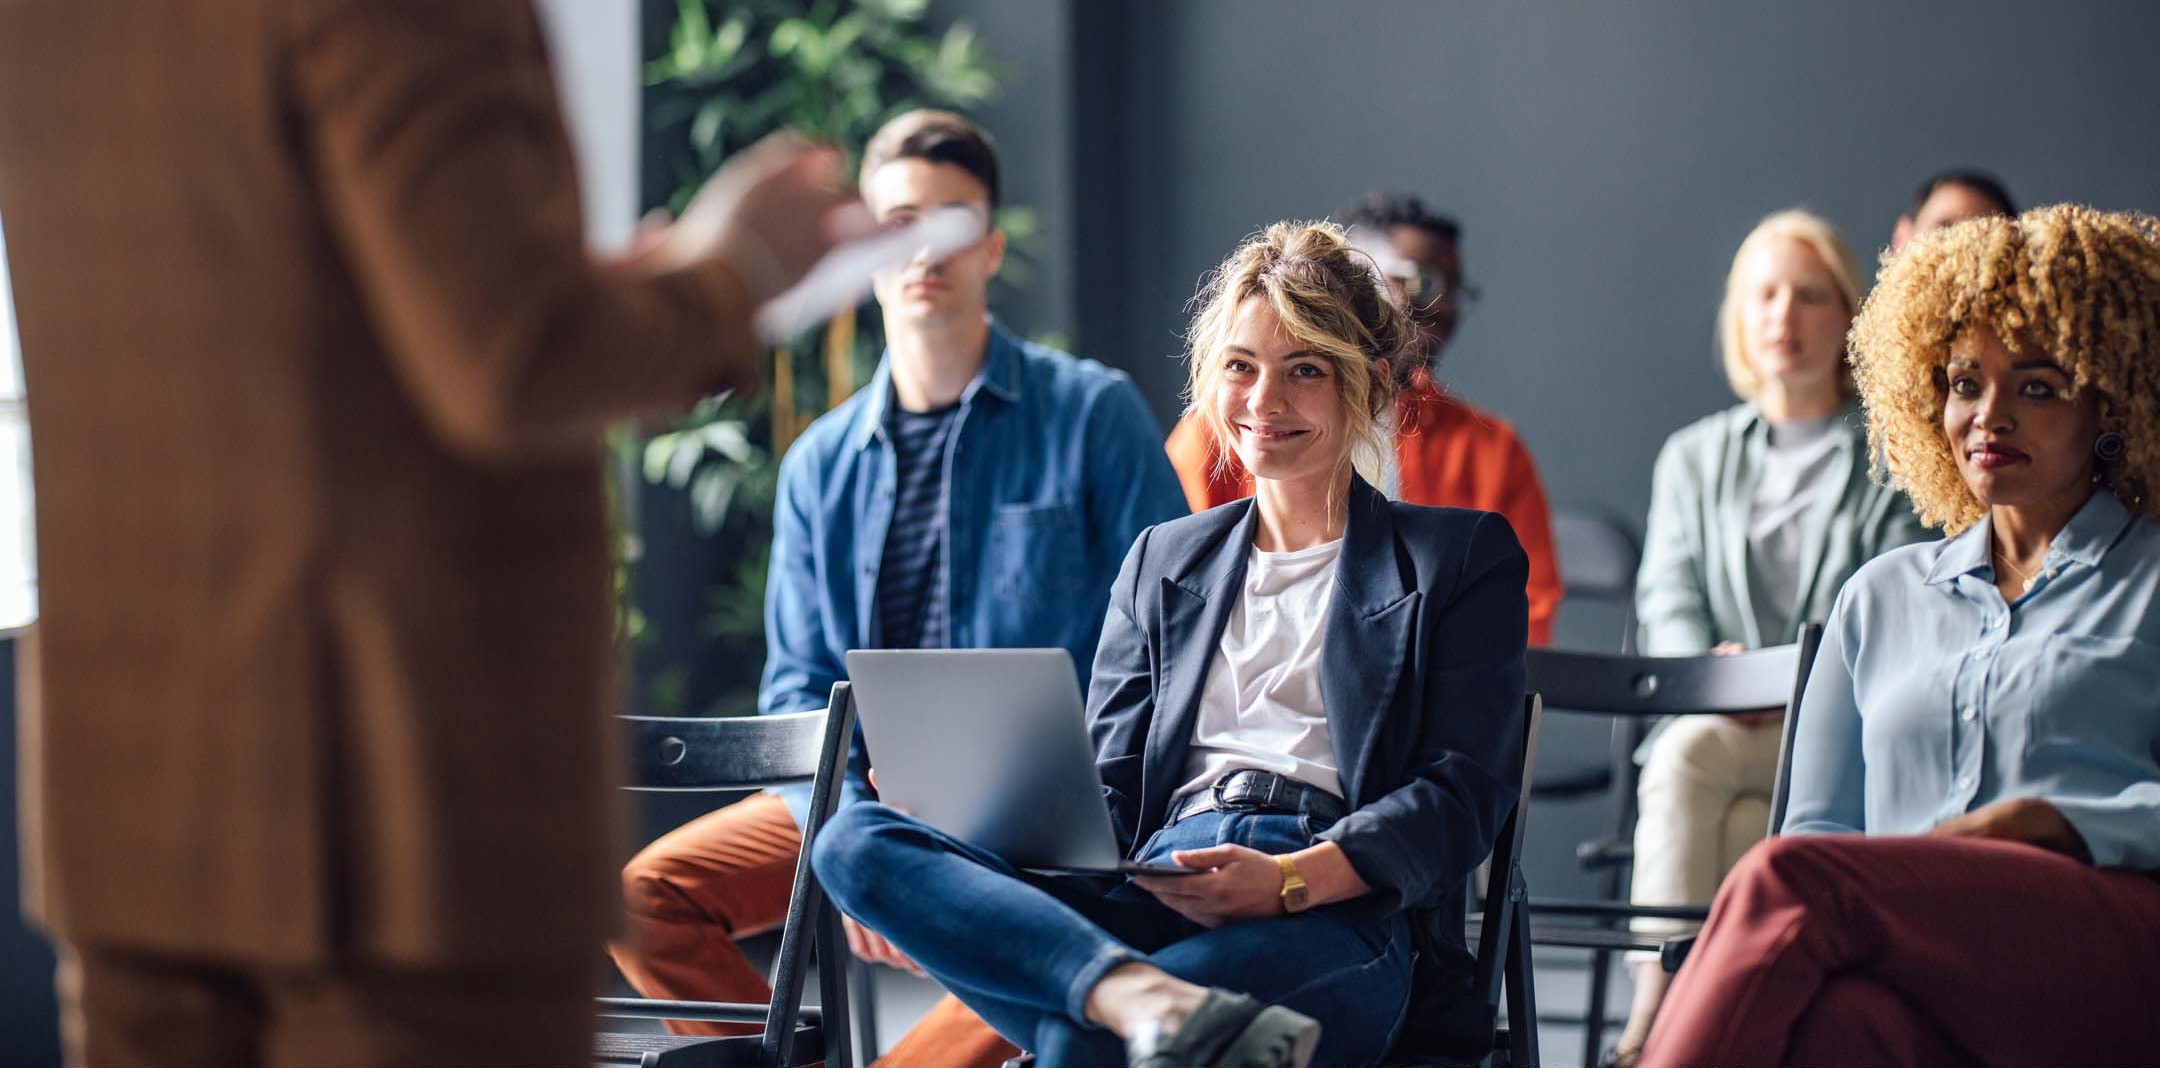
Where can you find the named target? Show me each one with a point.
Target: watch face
(1294, 899)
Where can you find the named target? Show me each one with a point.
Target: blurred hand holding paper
(843, 276)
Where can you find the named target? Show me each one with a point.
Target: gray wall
(1032, 120)
(1605, 160)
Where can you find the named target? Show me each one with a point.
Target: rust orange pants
(726, 875)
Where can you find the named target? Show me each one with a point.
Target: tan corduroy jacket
(316, 360)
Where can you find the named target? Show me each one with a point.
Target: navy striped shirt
(911, 578)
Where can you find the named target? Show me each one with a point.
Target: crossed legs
(1025, 952)
(1847, 950)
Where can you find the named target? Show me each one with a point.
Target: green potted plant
(724, 75)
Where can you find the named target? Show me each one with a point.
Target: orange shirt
(1447, 453)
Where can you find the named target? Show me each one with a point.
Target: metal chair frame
(1502, 929)
(1635, 690)
(740, 753)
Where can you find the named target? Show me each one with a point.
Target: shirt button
(1971, 714)
(1998, 621)
(2051, 572)
(1965, 783)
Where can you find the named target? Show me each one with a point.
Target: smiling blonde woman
(1290, 690)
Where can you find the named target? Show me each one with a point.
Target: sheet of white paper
(839, 281)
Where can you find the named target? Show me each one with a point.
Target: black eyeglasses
(1432, 287)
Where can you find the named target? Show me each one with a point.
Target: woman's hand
(1750, 720)
(872, 947)
(868, 944)
(2019, 819)
(1237, 883)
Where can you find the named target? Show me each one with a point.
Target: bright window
(18, 534)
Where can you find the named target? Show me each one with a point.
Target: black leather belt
(1259, 791)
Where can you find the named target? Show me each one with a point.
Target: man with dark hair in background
(980, 492)
(1948, 198)
(319, 768)
(1448, 452)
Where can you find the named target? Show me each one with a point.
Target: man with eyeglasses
(1448, 452)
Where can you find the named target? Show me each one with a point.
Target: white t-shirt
(1796, 483)
(1261, 707)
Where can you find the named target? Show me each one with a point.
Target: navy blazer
(1421, 675)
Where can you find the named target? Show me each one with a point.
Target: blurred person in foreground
(1966, 874)
(320, 770)
(1446, 450)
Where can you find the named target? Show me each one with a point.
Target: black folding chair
(744, 753)
(1598, 552)
(1638, 689)
(1501, 931)
(1781, 790)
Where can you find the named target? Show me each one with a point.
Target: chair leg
(1627, 734)
(862, 983)
(1521, 986)
(833, 982)
(1600, 983)
(1594, 1007)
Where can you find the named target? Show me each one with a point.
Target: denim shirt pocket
(2096, 696)
(1038, 552)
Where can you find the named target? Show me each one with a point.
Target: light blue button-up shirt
(1931, 697)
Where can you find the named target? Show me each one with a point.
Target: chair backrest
(725, 752)
(1598, 552)
(1759, 680)
(1501, 951)
(751, 752)
(1810, 641)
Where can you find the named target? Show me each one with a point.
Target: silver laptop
(991, 747)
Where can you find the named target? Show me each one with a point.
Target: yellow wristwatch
(1294, 898)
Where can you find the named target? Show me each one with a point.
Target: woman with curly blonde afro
(1985, 709)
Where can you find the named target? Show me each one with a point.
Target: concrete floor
(1562, 979)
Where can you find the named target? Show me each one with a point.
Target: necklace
(2025, 578)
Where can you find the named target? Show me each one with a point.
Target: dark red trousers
(1918, 951)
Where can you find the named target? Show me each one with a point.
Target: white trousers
(1703, 800)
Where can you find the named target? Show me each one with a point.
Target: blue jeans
(1024, 950)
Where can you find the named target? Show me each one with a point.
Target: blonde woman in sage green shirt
(1758, 514)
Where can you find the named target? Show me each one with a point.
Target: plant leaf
(656, 456)
(788, 36)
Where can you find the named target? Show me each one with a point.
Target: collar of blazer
(1370, 624)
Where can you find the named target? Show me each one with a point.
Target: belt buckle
(1243, 802)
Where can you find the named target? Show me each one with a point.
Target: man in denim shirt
(981, 492)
